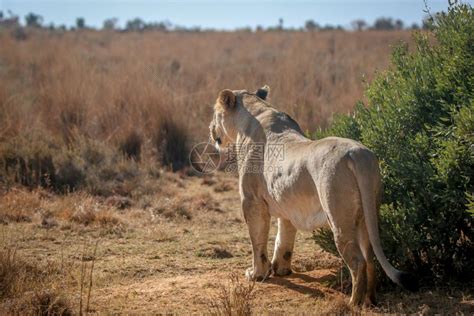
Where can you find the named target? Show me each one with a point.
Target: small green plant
(420, 123)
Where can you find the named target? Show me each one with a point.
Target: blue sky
(224, 14)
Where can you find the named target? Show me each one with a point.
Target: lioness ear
(263, 92)
(226, 99)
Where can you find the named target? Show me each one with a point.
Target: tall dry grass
(150, 94)
(33, 287)
(107, 84)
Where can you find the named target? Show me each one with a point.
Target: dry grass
(214, 253)
(19, 206)
(233, 299)
(82, 208)
(86, 110)
(58, 285)
(185, 208)
(154, 100)
(40, 207)
(172, 208)
(205, 202)
(28, 288)
(89, 216)
(222, 187)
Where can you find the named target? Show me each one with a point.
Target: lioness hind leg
(354, 259)
(368, 253)
(340, 199)
(284, 243)
(258, 222)
(371, 280)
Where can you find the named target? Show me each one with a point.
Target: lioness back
(296, 182)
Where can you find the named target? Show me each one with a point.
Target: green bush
(419, 121)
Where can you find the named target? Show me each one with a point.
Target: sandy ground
(155, 261)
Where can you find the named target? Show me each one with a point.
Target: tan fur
(332, 181)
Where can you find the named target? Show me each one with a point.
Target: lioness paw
(280, 270)
(251, 275)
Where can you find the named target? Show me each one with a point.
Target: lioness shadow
(288, 282)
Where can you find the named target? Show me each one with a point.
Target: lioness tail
(363, 164)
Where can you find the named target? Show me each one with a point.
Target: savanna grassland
(99, 211)
(107, 85)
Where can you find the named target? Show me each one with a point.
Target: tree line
(34, 20)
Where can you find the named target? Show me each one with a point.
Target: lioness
(306, 184)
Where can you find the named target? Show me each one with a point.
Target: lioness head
(223, 131)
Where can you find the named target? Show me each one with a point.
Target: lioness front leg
(258, 222)
(285, 240)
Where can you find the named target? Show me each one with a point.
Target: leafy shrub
(420, 124)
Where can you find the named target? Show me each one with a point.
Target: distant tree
(33, 20)
(310, 25)
(110, 24)
(399, 24)
(135, 25)
(80, 23)
(280, 23)
(415, 26)
(245, 29)
(330, 27)
(10, 22)
(157, 26)
(195, 29)
(384, 24)
(359, 25)
(259, 28)
(1, 15)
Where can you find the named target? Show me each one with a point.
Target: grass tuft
(234, 298)
(19, 206)
(29, 288)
